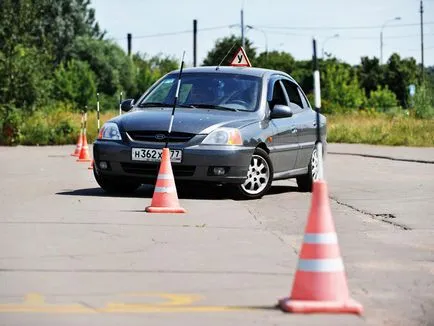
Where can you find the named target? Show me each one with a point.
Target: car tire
(259, 177)
(305, 182)
(114, 185)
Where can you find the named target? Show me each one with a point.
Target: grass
(380, 129)
(60, 127)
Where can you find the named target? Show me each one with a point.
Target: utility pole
(242, 28)
(194, 41)
(421, 37)
(129, 37)
(381, 47)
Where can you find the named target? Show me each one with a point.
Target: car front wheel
(115, 185)
(259, 176)
(305, 182)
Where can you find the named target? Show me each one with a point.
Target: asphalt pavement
(72, 255)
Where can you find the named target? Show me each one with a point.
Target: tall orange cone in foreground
(165, 198)
(84, 153)
(320, 283)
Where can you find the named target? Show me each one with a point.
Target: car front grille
(160, 136)
(152, 169)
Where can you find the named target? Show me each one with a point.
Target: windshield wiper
(209, 106)
(153, 104)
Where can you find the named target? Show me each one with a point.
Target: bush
(75, 82)
(10, 126)
(424, 101)
(340, 86)
(382, 99)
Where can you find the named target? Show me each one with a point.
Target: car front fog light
(219, 171)
(103, 165)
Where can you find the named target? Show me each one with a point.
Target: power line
(175, 33)
(340, 27)
(349, 37)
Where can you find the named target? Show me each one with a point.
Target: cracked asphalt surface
(65, 244)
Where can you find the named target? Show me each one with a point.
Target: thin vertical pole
(85, 121)
(242, 29)
(317, 92)
(421, 38)
(129, 39)
(120, 103)
(97, 111)
(175, 101)
(194, 42)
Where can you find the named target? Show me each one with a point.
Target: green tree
(221, 48)
(303, 74)
(400, 73)
(276, 60)
(60, 22)
(49, 25)
(340, 86)
(24, 82)
(33, 37)
(75, 82)
(150, 70)
(371, 74)
(113, 69)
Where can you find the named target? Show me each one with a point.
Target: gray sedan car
(238, 126)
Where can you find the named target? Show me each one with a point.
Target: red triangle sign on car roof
(240, 59)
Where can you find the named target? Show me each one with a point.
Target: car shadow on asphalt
(147, 191)
(191, 192)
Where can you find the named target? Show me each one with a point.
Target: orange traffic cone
(165, 198)
(79, 145)
(84, 153)
(320, 283)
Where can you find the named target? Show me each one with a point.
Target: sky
(347, 29)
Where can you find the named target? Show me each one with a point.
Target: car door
(286, 140)
(304, 120)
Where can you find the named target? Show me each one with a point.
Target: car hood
(195, 121)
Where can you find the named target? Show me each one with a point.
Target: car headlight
(224, 136)
(110, 131)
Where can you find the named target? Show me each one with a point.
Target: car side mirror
(127, 105)
(281, 111)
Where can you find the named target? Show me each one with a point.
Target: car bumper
(197, 163)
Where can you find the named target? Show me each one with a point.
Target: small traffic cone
(91, 165)
(165, 198)
(79, 145)
(84, 153)
(320, 283)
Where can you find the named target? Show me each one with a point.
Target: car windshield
(219, 91)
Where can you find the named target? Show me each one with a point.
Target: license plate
(154, 155)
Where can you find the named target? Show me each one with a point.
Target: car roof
(251, 71)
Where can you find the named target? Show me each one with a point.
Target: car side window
(303, 98)
(278, 95)
(293, 94)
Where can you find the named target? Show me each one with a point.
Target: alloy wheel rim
(315, 164)
(257, 176)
